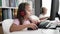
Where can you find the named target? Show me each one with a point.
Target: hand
(33, 26)
(35, 21)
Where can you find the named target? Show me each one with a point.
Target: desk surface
(39, 31)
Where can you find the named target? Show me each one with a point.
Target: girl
(22, 21)
(43, 16)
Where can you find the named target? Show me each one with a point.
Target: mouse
(32, 29)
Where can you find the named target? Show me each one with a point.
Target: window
(47, 4)
(59, 7)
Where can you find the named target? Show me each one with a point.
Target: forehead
(27, 6)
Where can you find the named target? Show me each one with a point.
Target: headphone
(22, 13)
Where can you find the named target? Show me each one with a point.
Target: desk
(39, 31)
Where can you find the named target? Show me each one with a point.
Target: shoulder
(16, 21)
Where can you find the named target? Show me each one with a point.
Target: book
(7, 3)
(14, 13)
(12, 3)
(1, 3)
(0, 14)
(9, 13)
(4, 14)
(17, 3)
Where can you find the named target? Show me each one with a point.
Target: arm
(43, 18)
(34, 19)
(14, 27)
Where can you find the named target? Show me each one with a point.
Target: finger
(34, 28)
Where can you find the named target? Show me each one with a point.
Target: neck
(43, 13)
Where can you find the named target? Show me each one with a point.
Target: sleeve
(16, 21)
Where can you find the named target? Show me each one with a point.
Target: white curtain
(47, 4)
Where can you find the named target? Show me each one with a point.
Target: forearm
(18, 28)
(21, 27)
(44, 18)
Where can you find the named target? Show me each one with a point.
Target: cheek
(29, 13)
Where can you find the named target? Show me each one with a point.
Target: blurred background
(8, 8)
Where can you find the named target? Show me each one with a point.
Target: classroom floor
(1, 31)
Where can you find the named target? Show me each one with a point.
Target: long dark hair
(20, 8)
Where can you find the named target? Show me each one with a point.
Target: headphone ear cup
(22, 13)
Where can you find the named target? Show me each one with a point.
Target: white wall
(59, 7)
(47, 4)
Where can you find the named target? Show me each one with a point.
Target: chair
(6, 25)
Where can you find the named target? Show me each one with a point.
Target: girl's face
(45, 10)
(28, 10)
